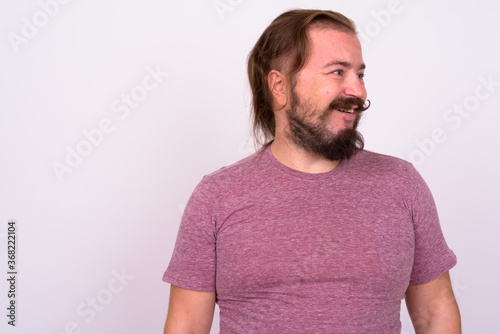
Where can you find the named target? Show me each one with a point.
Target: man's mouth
(349, 111)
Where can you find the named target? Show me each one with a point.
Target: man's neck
(299, 159)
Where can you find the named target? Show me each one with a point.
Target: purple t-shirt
(293, 252)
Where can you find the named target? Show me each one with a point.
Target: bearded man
(312, 233)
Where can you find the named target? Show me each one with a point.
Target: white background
(119, 208)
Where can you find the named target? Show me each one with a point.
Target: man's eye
(338, 72)
(361, 75)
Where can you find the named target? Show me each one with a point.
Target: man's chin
(344, 145)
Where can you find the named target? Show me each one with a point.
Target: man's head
(305, 69)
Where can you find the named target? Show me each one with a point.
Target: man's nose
(354, 86)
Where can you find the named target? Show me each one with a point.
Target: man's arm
(433, 308)
(189, 312)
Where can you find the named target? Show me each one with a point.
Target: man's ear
(278, 86)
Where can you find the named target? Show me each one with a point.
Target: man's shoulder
(383, 172)
(375, 157)
(374, 162)
(241, 170)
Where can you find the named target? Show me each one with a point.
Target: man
(311, 234)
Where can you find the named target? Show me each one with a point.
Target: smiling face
(328, 97)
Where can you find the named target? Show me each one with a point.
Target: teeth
(350, 111)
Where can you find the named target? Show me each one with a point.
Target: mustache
(349, 103)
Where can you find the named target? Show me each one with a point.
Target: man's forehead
(345, 64)
(332, 37)
(332, 47)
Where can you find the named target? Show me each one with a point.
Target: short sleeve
(432, 257)
(192, 265)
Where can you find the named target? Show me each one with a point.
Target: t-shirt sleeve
(192, 265)
(432, 257)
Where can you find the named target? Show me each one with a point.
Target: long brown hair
(284, 46)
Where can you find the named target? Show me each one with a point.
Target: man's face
(327, 100)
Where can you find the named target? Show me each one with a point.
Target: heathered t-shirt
(293, 252)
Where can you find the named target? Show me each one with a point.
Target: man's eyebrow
(344, 64)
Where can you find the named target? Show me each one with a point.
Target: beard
(314, 136)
